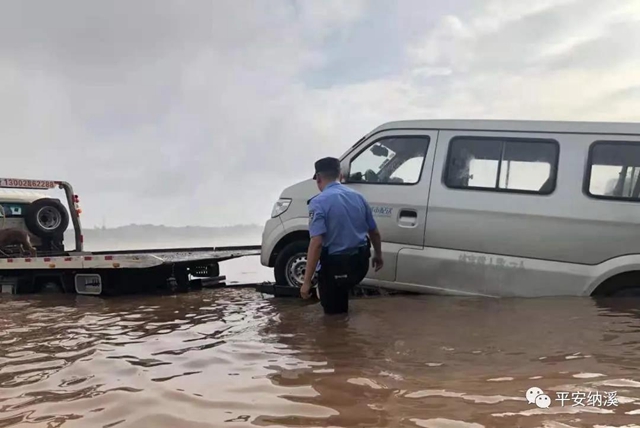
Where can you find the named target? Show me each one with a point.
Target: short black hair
(327, 167)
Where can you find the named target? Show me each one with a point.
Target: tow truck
(94, 273)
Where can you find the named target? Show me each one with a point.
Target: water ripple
(233, 358)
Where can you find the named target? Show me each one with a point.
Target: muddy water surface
(234, 358)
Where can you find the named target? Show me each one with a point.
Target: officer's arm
(376, 241)
(374, 233)
(317, 228)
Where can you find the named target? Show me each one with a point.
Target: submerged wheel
(291, 264)
(622, 285)
(627, 292)
(44, 284)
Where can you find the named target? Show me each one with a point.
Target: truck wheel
(46, 218)
(46, 284)
(291, 264)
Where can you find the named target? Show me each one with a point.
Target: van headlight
(280, 207)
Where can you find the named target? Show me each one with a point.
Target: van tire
(46, 218)
(290, 259)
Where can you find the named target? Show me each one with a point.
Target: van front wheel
(291, 264)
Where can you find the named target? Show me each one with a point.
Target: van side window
(390, 160)
(508, 165)
(613, 170)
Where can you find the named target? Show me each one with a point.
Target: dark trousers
(337, 276)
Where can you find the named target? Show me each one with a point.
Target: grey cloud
(152, 107)
(604, 52)
(75, 36)
(201, 112)
(522, 43)
(632, 91)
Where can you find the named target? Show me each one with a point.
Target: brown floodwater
(235, 358)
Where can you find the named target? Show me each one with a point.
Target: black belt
(366, 249)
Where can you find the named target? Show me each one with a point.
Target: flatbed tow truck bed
(187, 255)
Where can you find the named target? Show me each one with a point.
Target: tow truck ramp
(136, 259)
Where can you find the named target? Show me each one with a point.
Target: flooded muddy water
(235, 358)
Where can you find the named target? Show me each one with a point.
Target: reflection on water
(232, 358)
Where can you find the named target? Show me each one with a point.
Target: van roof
(619, 128)
(19, 196)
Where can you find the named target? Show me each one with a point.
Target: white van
(487, 208)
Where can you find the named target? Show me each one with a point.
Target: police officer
(340, 221)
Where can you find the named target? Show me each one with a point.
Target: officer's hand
(377, 263)
(305, 290)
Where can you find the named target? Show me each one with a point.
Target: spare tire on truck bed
(46, 218)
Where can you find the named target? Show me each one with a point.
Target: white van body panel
(521, 245)
(534, 278)
(272, 233)
(554, 127)
(20, 196)
(300, 193)
(297, 215)
(529, 225)
(467, 241)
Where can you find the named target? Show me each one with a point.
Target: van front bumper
(273, 230)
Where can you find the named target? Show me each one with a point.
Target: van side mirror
(379, 150)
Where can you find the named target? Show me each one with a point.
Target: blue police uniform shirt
(343, 216)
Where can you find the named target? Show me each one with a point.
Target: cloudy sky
(200, 112)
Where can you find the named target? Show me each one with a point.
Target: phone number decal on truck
(27, 184)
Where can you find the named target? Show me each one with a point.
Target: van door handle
(408, 218)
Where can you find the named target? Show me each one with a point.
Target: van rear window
(515, 165)
(11, 210)
(613, 170)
